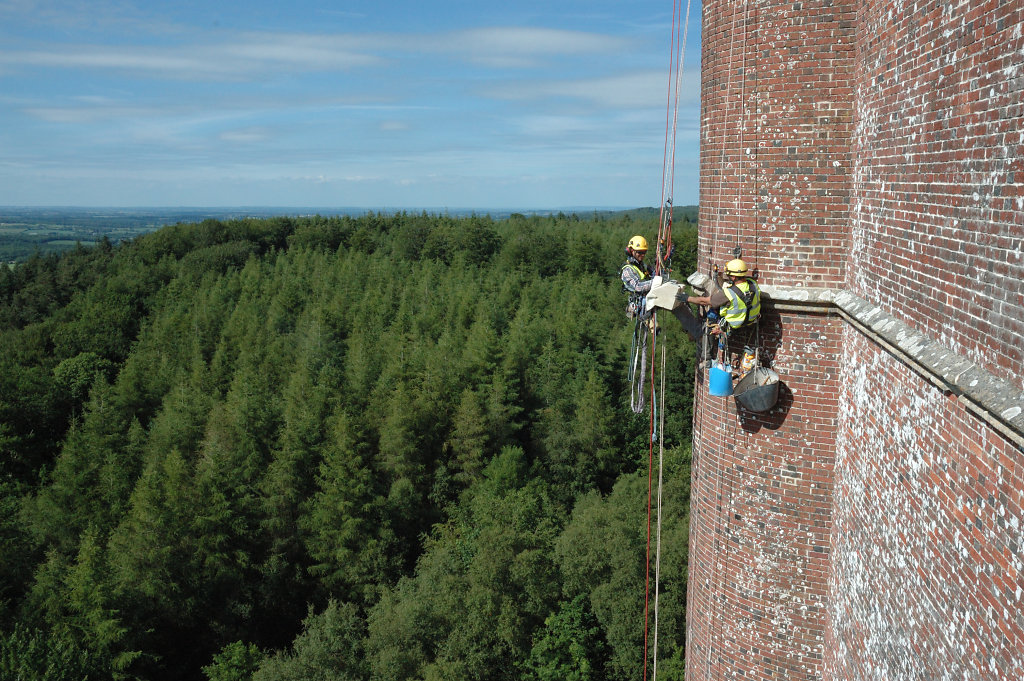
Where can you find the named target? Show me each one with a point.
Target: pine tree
(342, 525)
(93, 465)
(468, 440)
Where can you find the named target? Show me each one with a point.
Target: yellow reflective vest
(641, 274)
(744, 303)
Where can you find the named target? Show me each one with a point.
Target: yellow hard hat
(638, 243)
(736, 268)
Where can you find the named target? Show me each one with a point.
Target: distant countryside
(26, 231)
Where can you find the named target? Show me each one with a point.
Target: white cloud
(516, 47)
(626, 91)
(303, 51)
(532, 41)
(245, 135)
(86, 115)
(77, 15)
(139, 59)
(434, 109)
(249, 55)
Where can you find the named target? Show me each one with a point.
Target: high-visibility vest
(640, 271)
(744, 303)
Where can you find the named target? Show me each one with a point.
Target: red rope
(670, 134)
(663, 253)
(663, 244)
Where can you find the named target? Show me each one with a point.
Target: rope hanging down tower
(663, 251)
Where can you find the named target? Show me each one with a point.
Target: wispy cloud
(641, 89)
(251, 55)
(534, 41)
(85, 15)
(519, 47)
(249, 135)
(256, 100)
(86, 115)
(243, 59)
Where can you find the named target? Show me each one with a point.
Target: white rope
(666, 192)
(636, 378)
(671, 176)
(657, 542)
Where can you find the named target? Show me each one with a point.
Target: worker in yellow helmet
(738, 299)
(635, 275)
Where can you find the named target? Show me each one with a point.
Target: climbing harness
(744, 300)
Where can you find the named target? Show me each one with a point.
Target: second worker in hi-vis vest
(737, 300)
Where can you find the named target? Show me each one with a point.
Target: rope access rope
(668, 171)
(666, 196)
(679, 38)
(650, 470)
(638, 352)
(757, 181)
(657, 542)
(725, 126)
(661, 265)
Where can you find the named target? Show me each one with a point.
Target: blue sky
(377, 104)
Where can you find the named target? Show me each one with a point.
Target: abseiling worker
(635, 275)
(738, 299)
(736, 302)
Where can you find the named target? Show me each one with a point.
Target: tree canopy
(372, 448)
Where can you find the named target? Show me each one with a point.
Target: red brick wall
(927, 540)
(938, 172)
(775, 180)
(870, 526)
(760, 522)
(775, 125)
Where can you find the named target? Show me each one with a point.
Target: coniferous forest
(365, 448)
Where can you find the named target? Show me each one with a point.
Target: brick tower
(868, 157)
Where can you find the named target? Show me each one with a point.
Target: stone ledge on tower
(997, 401)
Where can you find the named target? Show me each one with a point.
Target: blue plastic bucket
(720, 380)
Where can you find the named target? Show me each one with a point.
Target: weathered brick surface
(927, 544)
(870, 527)
(760, 523)
(775, 126)
(937, 223)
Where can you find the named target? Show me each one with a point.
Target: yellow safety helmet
(638, 243)
(736, 268)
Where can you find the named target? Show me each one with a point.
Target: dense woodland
(378, 448)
